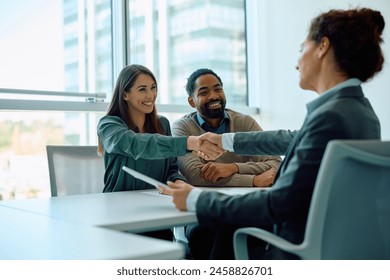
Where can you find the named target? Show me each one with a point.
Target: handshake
(207, 146)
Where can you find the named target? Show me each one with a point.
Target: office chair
(75, 170)
(349, 215)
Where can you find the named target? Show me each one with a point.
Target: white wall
(281, 26)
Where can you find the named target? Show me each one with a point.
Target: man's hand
(205, 149)
(179, 192)
(213, 171)
(265, 179)
(212, 138)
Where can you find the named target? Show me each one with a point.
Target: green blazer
(150, 154)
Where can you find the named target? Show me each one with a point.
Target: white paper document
(144, 178)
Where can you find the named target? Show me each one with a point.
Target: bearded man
(206, 95)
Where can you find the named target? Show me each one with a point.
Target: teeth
(147, 103)
(214, 104)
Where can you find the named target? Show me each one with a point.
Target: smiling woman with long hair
(131, 134)
(126, 134)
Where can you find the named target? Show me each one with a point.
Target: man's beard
(213, 113)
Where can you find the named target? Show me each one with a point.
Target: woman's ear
(324, 47)
(191, 101)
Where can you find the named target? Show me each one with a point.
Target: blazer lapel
(289, 152)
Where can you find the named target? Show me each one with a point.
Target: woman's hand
(179, 192)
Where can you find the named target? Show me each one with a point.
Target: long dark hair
(119, 107)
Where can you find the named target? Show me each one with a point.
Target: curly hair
(190, 86)
(355, 36)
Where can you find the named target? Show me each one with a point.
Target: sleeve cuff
(228, 141)
(192, 199)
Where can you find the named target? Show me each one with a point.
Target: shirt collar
(203, 123)
(353, 82)
(329, 94)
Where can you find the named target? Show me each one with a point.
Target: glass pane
(56, 45)
(175, 37)
(50, 45)
(24, 135)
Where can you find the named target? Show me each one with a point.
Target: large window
(50, 47)
(57, 53)
(176, 37)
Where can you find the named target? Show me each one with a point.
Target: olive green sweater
(150, 154)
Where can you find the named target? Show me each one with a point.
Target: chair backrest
(75, 170)
(349, 216)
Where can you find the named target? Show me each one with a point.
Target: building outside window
(176, 37)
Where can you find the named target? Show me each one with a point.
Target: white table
(87, 226)
(28, 236)
(134, 211)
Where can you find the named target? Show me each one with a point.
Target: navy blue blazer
(345, 114)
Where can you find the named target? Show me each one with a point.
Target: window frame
(120, 59)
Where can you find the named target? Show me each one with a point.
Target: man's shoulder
(186, 119)
(234, 114)
(239, 118)
(186, 125)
